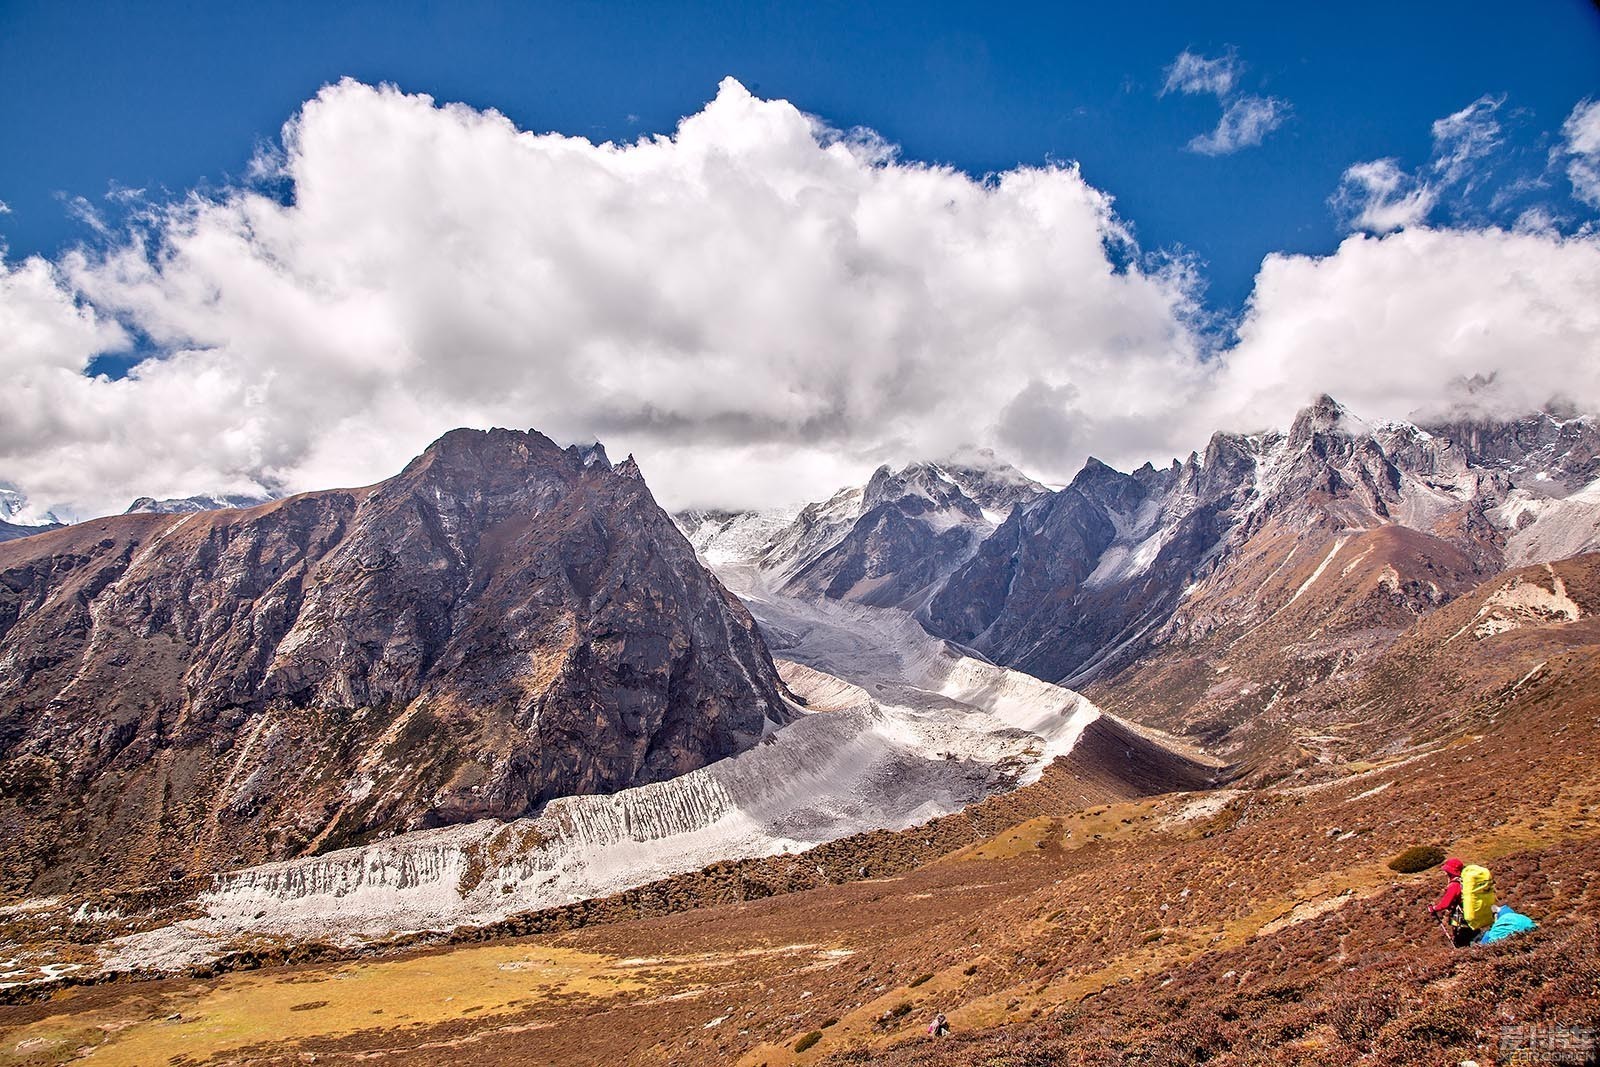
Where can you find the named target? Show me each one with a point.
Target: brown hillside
(1248, 926)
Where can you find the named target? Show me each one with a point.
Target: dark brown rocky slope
(502, 623)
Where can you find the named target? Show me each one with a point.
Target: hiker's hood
(1453, 866)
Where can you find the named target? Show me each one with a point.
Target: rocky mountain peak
(1324, 415)
(502, 623)
(918, 488)
(1107, 486)
(591, 455)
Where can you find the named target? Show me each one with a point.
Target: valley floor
(1251, 928)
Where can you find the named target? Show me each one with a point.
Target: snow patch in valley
(1138, 543)
(733, 537)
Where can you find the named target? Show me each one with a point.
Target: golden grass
(280, 1010)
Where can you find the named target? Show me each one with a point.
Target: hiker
(1506, 923)
(939, 1027)
(1466, 907)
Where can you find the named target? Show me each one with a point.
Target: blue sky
(171, 97)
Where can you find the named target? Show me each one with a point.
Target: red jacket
(1452, 892)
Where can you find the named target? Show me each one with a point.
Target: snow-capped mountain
(886, 543)
(1297, 539)
(911, 529)
(202, 502)
(18, 518)
(855, 527)
(889, 543)
(17, 509)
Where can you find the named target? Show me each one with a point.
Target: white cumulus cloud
(757, 305)
(1388, 325)
(760, 307)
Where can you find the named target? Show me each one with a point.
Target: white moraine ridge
(899, 728)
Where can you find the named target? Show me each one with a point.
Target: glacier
(895, 728)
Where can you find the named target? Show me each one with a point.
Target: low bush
(1417, 858)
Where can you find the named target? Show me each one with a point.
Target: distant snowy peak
(202, 502)
(722, 537)
(972, 489)
(11, 503)
(995, 485)
(892, 547)
(17, 510)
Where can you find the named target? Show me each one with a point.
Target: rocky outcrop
(502, 623)
(1550, 453)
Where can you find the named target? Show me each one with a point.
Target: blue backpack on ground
(1506, 923)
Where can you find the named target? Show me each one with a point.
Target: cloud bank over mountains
(759, 306)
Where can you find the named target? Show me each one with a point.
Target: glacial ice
(899, 728)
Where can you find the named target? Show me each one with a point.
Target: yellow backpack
(1477, 896)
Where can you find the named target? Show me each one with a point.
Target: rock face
(502, 623)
